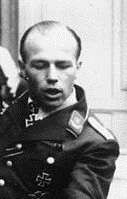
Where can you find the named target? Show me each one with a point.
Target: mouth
(53, 93)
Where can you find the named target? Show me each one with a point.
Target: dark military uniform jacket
(67, 155)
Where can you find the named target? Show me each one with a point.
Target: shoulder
(93, 135)
(100, 139)
(100, 129)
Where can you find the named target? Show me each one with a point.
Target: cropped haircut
(41, 27)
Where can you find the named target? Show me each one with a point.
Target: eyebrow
(56, 62)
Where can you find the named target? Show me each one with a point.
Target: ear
(22, 72)
(21, 65)
(79, 64)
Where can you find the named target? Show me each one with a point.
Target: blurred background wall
(102, 26)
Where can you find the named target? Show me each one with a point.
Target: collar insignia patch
(76, 123)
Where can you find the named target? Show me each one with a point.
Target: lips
(53, 93)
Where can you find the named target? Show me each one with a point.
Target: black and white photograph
(63, 99)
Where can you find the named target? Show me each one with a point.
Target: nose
(52, 74)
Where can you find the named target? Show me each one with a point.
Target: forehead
(55, 40)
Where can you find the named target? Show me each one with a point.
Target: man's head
(50, 53)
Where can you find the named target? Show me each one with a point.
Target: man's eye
(63, 66)
(39, 65)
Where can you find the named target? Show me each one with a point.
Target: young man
(51, 146)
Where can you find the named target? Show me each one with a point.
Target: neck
(44, 111)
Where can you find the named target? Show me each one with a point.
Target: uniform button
(50, 160)
(19, 146)
(2, 182)
(9, 163)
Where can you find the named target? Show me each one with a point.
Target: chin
(52, 105)
(48, 103)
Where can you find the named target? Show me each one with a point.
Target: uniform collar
(71, 100)
(68, 121)
(65, 124)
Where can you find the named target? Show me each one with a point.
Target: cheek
(36, 77)
(69, 77)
